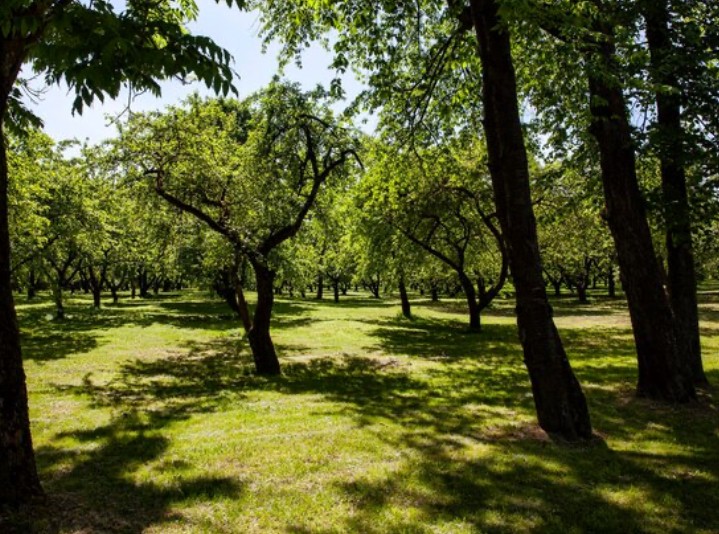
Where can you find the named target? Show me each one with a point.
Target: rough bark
(662, 373)
(681, 276)
(18, 474)
(559, 400)
(263, 350)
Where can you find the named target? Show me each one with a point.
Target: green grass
(147, 418)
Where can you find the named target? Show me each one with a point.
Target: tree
(251, 171)
(436, 198)
(591, 32)
(95, 50)
(414, 52)
(670, 137)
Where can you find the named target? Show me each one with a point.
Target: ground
(147, 417)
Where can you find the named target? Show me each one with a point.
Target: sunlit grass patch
(147, 417)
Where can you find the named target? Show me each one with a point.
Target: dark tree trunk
(663, 374)
(143, 284)
(57, 297)
(113, 292)
(434, 294)
(582, 291)
(263, 350)
(96, 297)
(320, 287)
(31, 284)
(336, 289)
(611, 283)
(470, 294)
(95, 284)
(558, 397)
(18, 475)
(406, 308)
(557, 286)
(670, 137)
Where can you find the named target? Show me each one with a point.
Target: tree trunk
(582, 291)
(470, 294)
(320, 287)
(31, 284)
(663, 374)
(558, 397)
(113, 292)
(57, 297)
(670, 137)
(243, 309)
(557, 286)
(18, 474)
(336, 289)
(434, 294)
(406, 308)
(263, 350)
(95, 284)
(611, 284)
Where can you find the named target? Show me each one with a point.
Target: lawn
(147, 418)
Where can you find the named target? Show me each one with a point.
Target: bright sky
(234, 30)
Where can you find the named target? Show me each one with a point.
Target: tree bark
(663, 374)
(336, 289)
(18, 474)
(670, 136)
(263, 350)
(558, 397)
(404, 299)
(611, 284)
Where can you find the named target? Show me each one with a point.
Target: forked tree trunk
(406, 307)
(670, 136)
(263, 350)
(663, 372)
(558, 397)
(18, 474)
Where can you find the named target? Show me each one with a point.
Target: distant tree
(437, 199)
(250, 170)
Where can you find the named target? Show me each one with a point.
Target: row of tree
(449, 180)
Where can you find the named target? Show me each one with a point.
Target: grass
(147, 418)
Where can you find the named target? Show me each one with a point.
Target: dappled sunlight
(377, 424)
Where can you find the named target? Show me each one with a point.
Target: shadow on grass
(91, 488)
(463, 422)
(474, 398)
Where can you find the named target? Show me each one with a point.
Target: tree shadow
(93, 489)
(40, 345)
(464, 420)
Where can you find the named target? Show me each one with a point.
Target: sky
(236, 31)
